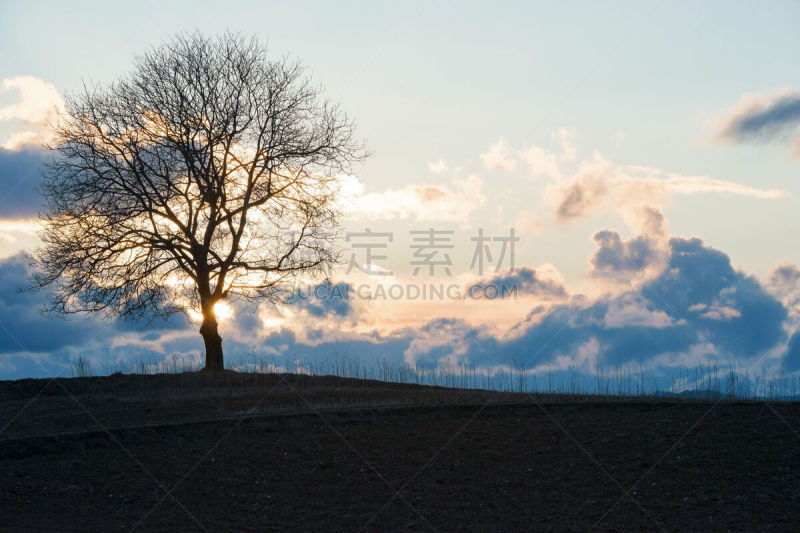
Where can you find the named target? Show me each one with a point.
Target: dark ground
(244, 452)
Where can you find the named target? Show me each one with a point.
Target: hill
(195, 452)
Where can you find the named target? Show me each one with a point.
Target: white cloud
(22, 225)
(721, 312)
(33, 113)
(499, 157)
(540, 162)
(566, 137)
(17, 235)
(633, 311)
(721, 308)
(438, 167)
(441, 333)
(454, 202)
(659, 180)
(156, 345)
(784, 284)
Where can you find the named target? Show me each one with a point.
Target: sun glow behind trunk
(222, 310)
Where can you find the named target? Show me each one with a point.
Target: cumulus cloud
(34, 111)
(625, 261)
(651, 222)
(539, 161)
(656, 322)
(784, 284)
(696, 274)
(521, 281)
(658, 325)
(500, 156)
(761, 117)
(444, 340)
(454, 202)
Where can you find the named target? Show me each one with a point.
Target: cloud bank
(696, 310)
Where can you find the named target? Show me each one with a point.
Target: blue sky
(505, 110)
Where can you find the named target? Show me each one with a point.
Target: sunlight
(223, 311)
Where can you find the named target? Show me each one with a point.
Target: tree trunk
(212, 340)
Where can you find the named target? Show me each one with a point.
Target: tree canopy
(208, 172)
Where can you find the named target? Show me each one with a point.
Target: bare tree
(208, 172)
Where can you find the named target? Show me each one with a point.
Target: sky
(645, 155)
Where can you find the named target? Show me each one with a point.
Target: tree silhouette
(207, 173)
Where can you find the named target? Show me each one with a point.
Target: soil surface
(299, 453)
